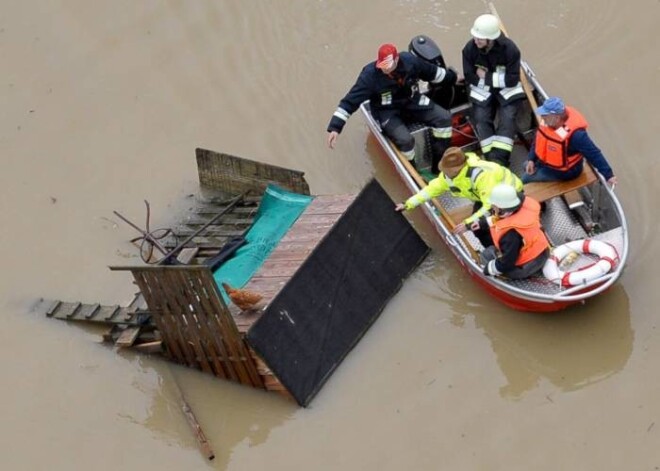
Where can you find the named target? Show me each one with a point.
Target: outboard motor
(425, 48)
(444, 95)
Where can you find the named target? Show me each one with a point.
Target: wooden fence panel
(196, 326)
(234, 175)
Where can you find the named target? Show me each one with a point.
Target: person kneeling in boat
(391, 86)
(516, 234)
(465, 175)
(561, 145)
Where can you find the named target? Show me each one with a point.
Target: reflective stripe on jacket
(551, 145)
(502, 65)
(526, 221)
(475, 181)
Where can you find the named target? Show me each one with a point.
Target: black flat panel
(338, 292)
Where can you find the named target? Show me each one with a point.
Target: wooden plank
(278, 268)
(255, 199)
(202, 241)
(298, 254)
(219, 336)
(293, 246)
(207, 251)
(204, 444)
(65, 310)
(262, 283)
(300, 236)
(244, 320)
(217, 330)
(336, 205)
(137, 303)
(213, 209)
(233, 341)
(213, 346)
(194, 220)
(171, 313)
(189, 327)
(317, 219)
(74, 310)
(542, 191)
(123, 316)
(215, 231)
(212, 349)
(173, 350)
(109, 312)
(90, 310)
(155, 346)
(53, 307)
(128, 336)
(187, 254)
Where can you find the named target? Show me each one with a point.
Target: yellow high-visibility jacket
(475, 181)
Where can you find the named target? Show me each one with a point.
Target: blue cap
(553, 105)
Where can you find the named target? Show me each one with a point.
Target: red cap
(387, 54)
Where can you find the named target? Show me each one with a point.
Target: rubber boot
(438, 148)
(500, 156)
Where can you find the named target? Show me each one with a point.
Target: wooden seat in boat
(540, 191)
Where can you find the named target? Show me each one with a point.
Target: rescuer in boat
(465, 175)
(491, 66)
(391, 86)
(561, 144)
(519, 247)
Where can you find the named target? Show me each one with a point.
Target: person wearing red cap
(391, 85)
(491, 65)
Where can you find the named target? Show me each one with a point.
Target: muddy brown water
(103, 104)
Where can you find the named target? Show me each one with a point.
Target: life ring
(607, 254)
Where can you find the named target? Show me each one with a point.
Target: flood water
(103, 104)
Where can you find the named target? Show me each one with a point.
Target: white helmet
(504, 196)
(486, 27)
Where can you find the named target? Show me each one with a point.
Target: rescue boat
(583, 218)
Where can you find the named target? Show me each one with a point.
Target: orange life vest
(527, 222)
(551, 145)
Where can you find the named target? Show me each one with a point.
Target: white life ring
(607, 254)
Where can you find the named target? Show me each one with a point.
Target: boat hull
(511, 297)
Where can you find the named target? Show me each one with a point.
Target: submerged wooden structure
(323, 285)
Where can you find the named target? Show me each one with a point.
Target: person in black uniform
(491, 66)
(391, 86)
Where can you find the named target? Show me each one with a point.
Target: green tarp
(278, 210)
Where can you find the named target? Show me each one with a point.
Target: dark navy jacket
(394, 91)
(503, 53)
